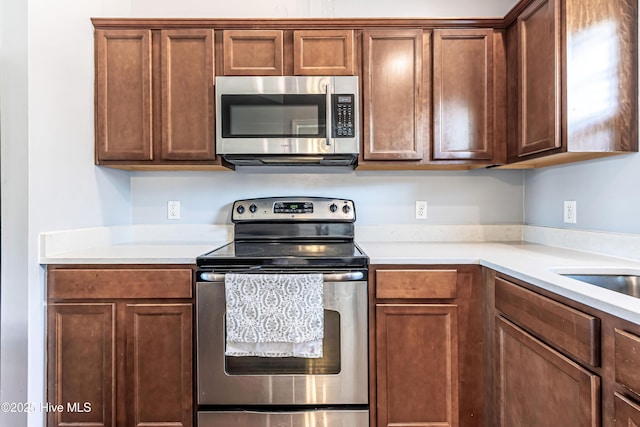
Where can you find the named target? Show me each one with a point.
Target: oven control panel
(293, 209)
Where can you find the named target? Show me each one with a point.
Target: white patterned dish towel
(274, 315)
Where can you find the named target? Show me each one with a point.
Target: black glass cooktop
(285, 253)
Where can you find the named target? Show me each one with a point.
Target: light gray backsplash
(607, 192)
(381, 197)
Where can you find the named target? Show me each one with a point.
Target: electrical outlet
(173, 209)
(421, 209)
(570, 212)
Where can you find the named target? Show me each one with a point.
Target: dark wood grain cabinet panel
(159, 361)
(253, 53)
(627, 360)
(323, 53)
(417, 352)
(154, 98)
(120, 283)
(539, 77)
(626, 412)
(575, 71)
(123, 95)
(187, 95)
(81, 363)
(426, 346)
(538, 386)
(463, 94)
(569, 330)
(122, 343)
(416, 284)
(534, 376)
(396, 98)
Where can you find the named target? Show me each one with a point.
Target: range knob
(253, 208)
(240, 209)
(346, 209)
(333, 207)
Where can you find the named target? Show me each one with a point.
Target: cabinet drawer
(570, 330)
(436, 284)
(627, 354)
(627, 413)
(119, 283)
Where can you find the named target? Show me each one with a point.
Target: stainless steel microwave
(287, 120)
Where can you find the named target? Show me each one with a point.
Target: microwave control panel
(343, 126)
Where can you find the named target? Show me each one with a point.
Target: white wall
(48, 178)
(388, 197)
(606, 194)
(14, 208)
(321, 8)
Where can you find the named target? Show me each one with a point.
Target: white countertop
(134, 253)
(537, 264)
(142, 244)
(533, 263)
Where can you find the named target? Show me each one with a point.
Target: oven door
(340, 377)
(314, 418)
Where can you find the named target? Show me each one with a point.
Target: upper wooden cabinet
(573, 78)
(123, 95)
(554, 81)
(323, 52)
(463, 94)
(308, 52)
(253, 53)
(187, 95)
(396, 95)
(407, 74)
(154, 97)
(539, 77)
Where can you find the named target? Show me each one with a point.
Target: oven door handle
(327, 277)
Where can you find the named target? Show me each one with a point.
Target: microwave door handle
(329, 127)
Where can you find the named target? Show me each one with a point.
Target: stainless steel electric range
(280, 237)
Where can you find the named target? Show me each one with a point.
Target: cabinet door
(627, 412)
(463, 94)
(123, 95)
(539, 77)
(395, 112)
(417, 364)
(158, 370)
(187, 94)
(323, 52)
(253, 53)
(81, 364)
(538, 386)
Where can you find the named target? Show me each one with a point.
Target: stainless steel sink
(625, 284)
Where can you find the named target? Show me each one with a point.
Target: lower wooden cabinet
(118, 359)
(81, 362)
(417, 364)
(626, 412)
(426, 346)
(538, 385)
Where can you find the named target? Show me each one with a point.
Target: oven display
(293, 207)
